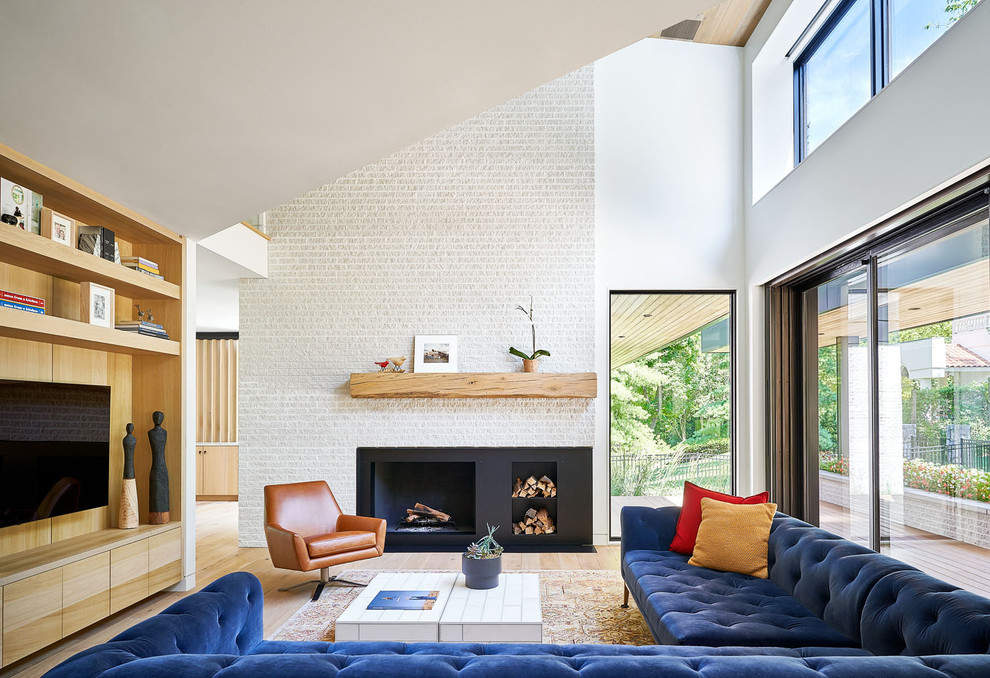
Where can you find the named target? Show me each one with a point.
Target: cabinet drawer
(32, 614)
(164, 560)
(128, 575)
(85, 592)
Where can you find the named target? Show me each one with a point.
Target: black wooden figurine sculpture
(158, 485)
(127, 518)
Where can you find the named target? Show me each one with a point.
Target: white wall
(668, 189)
(444, 237)
(924, 131)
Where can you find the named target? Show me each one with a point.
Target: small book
(121, 324)
(21, 307)
(139, 260)
(404, 600)
(22, 299)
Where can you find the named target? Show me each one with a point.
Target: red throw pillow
(690, 518)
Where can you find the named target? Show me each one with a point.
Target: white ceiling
(200, 113)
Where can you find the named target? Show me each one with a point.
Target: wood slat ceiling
(958, 293)
(644, 323)
(728, 23)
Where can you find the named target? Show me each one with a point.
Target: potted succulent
(482, 562)
(530, 362)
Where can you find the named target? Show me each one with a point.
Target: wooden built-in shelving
(474, 385)
(74, 200)
(59, 575)
(16, 324)
(29, 250)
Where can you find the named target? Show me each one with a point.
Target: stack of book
(142, 327)
(22, 302)
(142, 265)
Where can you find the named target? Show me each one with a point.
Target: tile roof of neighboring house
(958, 356)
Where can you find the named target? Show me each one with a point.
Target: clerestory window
(859, 49)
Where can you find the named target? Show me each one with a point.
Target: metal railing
(652, 474)
(965, 453)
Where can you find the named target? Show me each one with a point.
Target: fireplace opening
(424, 496)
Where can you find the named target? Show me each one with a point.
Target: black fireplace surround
(474, 486)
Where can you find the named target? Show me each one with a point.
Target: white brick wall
(444, 237)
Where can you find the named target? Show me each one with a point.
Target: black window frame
(879, 63)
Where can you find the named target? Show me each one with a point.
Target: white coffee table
(508, 613)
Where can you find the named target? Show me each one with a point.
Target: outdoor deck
(958, 563)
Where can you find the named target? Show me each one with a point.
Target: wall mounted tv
(54, 449)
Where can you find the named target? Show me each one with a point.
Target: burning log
(531, 487)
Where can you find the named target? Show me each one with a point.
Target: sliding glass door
(897, 396)
(840, 370)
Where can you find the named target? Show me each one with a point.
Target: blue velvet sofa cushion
(913, 613)
(689, 605)
(224, 619)
(828, 575)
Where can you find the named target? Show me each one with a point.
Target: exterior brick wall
(444, 237)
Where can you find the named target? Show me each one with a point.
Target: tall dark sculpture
(158, 485)
(127, 518)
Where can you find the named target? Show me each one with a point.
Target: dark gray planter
(481, 573)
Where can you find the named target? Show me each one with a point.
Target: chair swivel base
(324, 581)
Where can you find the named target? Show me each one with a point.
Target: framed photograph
(436, 353)
(58, 227)
(97, 305)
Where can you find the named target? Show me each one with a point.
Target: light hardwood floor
(217, 554)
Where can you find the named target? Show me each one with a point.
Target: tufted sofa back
(913, 613)
(829, 575)
(222, 620)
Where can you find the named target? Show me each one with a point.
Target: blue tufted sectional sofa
(822, 591)
(829, 608)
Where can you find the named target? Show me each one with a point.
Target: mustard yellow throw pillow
(733, 537)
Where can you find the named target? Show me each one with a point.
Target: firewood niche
(537, 518)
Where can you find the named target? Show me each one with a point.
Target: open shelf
(17, 324)
(474, 385)
(75, 200)
(32, 251)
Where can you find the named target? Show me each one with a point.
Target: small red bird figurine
(382, 365)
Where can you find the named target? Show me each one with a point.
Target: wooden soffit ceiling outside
(953, 294)
(644, 323)
(728, 23)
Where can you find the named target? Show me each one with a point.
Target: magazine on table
(404, 600)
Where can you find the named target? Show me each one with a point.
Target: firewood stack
(544, 487)
(536, 521)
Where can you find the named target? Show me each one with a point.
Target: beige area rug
(579, 606)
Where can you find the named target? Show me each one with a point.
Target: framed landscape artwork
(436, 353)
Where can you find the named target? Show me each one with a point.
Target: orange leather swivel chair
(306, 530)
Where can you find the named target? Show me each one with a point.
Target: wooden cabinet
(164, 560)
(216, 472)
(85, 592)
(32, 614)
(128, 575)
